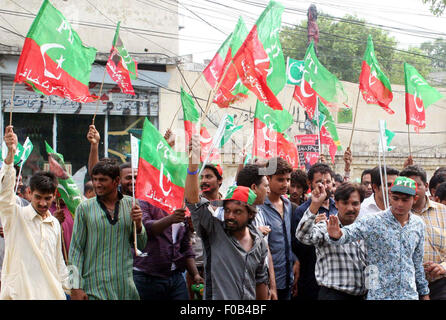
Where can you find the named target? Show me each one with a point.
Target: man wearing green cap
(235, 250)
(394, 239)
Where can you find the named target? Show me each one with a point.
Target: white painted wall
(147, 15)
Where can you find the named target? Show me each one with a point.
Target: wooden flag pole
(100, 93)
(214, 91)
(12, 103)
(137, 252)
(175, 116)
(408, 136)
(354, 119)
(318, 128)
(198, 78)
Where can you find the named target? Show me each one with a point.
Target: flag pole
(215, 141)
(408, 136)
(318, 128)
(384, 147)
(354, 119)
(100, 93)
(198, 78)
(133, 203)
(18, 177)
(175, 116)
(381, 177)
(12, 103)
(214, 91)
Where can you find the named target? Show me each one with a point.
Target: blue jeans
(156, 288)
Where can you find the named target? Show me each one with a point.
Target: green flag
(322, 82)
(69, 192)
(345, 115)
(385, 135)
(161, 171)
(229, 130)
(326, 120)
(419, 95)
(22, 153)
(53, 60)
(294, 71)
(259, 61)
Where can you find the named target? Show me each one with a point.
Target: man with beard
(339, 269)
(235, 267)
(277, 210)
(307, 287)
(211, 179)
(125, 173)
(366, 181)
(298, 187)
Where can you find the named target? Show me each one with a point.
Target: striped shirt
(434, 216)
(337, 267)
(101, 249)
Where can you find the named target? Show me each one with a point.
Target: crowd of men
(276, 234)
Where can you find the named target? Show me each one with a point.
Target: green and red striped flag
(269, 135)
(53, 60)
(161, 171)
(374, 85)
(317, 81)
(191, 117)
(231, 89)
(120, 66)
(67, 188)
(327, 127)
(419, 95)
(259, 61)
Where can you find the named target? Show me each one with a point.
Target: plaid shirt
(434, 216)
(337, 267)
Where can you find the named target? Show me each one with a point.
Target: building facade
(150, 34)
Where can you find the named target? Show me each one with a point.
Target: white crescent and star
(419, 109)
(205, 140)
(302, 86)
(43, 49)
(268, 125)
(301, 67)
(166, 193)
(372, 74)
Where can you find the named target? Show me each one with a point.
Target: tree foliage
(437, 50)
(436, 6)
(342, 44)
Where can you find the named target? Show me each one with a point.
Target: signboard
(308, 150)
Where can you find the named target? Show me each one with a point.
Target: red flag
(374, 85)
(269, 143)
(206, 144)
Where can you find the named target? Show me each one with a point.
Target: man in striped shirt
(103, 237)
(434, 216)
(339, 269)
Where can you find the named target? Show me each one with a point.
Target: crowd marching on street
(162, 227)
(278, 233)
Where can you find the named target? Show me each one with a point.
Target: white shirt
(368, 206)
(33, 265)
